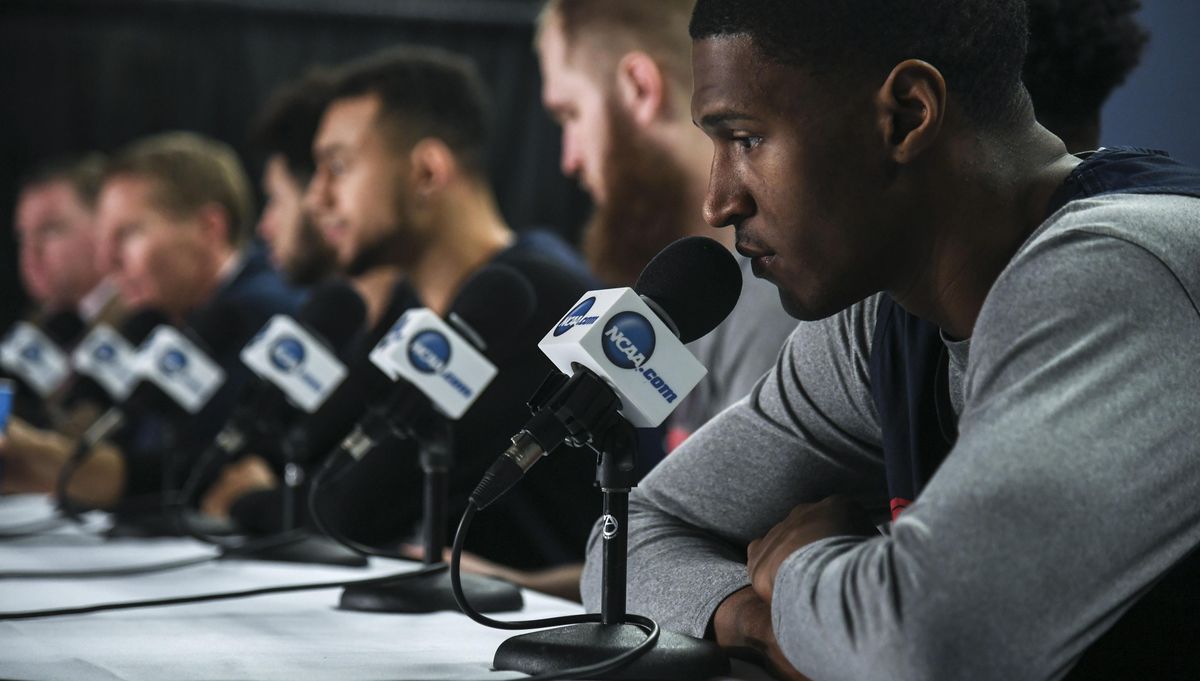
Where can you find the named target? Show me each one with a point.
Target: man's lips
(760, 260)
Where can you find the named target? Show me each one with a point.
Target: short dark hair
(85, 174)
(187, 171)
(288, 121)
(1079, 52)
(425, 92)
(977, 45)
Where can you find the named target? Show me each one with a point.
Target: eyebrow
(723, 118)
(328, 150)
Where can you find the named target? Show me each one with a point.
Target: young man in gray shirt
(1003, 358)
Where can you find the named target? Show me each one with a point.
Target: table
(283, 637)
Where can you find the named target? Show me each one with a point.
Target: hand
(831, 517)
(742, 626)
(560, 580)
(249, 474)
(32, 458)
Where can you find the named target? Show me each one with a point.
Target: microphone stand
(674, 656)
(432, 592)
(312, 547)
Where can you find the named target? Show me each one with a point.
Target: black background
(78, 75)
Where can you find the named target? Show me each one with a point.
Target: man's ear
(911, 106)
(433, 166)
(641, 87)
(214, 223)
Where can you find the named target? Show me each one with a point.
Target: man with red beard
(617, 77)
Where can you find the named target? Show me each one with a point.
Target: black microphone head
(220, 328)
(335, 312)
(64, 327)
(137, 326)
(695, 281)
(495, 304)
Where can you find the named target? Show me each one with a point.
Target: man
(401, 181)
(1079, 52)
(55, 226)
(174, 214)
(881, 165)
(616, 76)
(284, 131)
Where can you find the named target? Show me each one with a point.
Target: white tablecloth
(286, 636)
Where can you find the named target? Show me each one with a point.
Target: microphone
(35, 356)
(297, 364)
(103, 363)
(444, 365)
(624, 351)
(173, 371)
(103, 360)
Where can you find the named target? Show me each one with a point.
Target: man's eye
(337, 166)
(747, 142)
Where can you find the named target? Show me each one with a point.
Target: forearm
(677, 575)
(99, 482)
(799, 437)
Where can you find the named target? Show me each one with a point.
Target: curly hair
(1079, 52)
(288, 121)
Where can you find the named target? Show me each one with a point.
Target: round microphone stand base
(312, 549)
(432, 593)
(674, 656)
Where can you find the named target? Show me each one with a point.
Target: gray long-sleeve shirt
(1070, 490)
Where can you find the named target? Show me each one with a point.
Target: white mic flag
(288, 356)
(424, 350)
(29, 353)
(108, 359)
(614, 333)
(171, 361)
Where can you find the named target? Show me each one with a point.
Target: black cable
(246, 549)
(100, 573)
(65, 506)
(333, 533)
(582, 672)
(224, 595)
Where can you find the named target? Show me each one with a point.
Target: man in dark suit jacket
(174, 213)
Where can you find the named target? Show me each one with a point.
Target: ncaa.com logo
(429, 353)
(32, 353)
(287, 354)
(628, 342)
(172, 362)
(577, 317)
(104, 353)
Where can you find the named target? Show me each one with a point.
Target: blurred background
(78, 75)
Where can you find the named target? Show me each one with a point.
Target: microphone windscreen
(64, 327)
(335, 312)
(695, 281)
(137, 327)
(220, 328)
(496, 303)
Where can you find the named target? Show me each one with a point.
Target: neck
(375, 288)
(220, 268)
(468, 232)
(998, 196)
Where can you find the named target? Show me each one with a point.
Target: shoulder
(1129, 244)
(259, 292)
(1103, 279)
